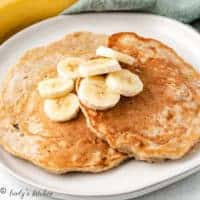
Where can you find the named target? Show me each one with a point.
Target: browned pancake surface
(26, 132)
(161, 122)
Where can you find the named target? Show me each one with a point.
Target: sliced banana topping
(69, 67)
(55, 87)
(124, 82)
(108, 52)
(98, 66)
(62, 109)
(94, 93)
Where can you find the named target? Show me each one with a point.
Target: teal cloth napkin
(187, 11)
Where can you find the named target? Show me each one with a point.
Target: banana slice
(124, 82)
(55, 87)
(94, 93)
(69, 67)
(108, 52)
(62, 109)
(98, 66)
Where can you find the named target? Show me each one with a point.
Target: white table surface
(12, 189)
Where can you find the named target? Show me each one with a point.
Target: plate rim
(170, 20)
(172, 179)
(129, 194)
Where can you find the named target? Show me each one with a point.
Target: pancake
(163, 121)
(81, 151)
(26, 132)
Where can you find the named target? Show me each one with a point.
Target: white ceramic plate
(132, 178)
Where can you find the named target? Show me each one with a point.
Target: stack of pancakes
(162, 122)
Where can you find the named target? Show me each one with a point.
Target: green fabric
(187, 11)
